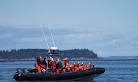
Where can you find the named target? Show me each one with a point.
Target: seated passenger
(58, 64)
(53, 64)
(65, 61)
(44, 64)
(72, 68)
(87, 67)
(90, 65)
(78, 64)
(74, 65)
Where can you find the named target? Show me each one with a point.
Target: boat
(89, 74)
(24, 74)
(32, 74)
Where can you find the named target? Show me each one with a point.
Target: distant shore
(72, 59)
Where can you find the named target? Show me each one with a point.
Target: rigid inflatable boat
(25, 74)
(44, 71)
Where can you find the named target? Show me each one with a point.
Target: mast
(45, 38)
(51, 35)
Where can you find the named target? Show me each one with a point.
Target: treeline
(34, 53)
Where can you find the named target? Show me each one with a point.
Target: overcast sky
(108, 27)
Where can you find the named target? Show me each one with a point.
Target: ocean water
(115, 71)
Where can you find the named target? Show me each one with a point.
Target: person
(49, 63)
(44, 64)
(53, 64)
(65, 61)
(58, 64)
(68, 67)
(72, 68)
(78, 64)
(87, 67)
(82, 64)
(90, 65)
(74, 65)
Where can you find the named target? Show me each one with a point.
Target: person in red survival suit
(90, 65)
(68, 67)
(78, 64)
(65, 61)
(53, 64)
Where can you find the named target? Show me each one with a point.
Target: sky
(107, 27)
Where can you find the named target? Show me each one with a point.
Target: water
(116, 71)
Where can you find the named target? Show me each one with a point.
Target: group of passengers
(56, 66)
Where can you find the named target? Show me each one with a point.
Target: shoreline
(32, 59)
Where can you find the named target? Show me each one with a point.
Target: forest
(34, 53)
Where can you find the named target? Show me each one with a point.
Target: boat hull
(84, 74)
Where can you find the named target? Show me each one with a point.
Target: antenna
(51, 35)
(45, 38)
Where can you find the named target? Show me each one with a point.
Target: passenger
(44, 64)
(74, 65)
(65, 61)
(82, 64)
(58, 64)
(49, 63)
(90, 65)
(53, 64)
(68, 67)
(72, 68)
(87, 67)
(78, 64)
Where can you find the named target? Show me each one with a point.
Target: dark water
(116, 71)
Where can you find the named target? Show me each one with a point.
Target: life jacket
(76, 69)
(53, 64)
(80, 68)
(63, 71)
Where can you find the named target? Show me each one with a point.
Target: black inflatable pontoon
(24, 74)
